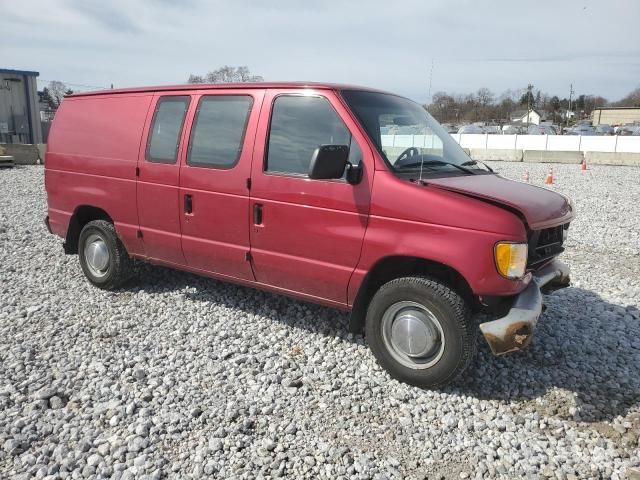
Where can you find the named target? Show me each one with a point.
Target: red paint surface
(318, 239)
(541, 207)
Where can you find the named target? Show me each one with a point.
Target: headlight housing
(511, 259)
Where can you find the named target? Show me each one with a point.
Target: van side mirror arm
(354, 173)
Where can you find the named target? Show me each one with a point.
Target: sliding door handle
(188, 204)
(257, 214)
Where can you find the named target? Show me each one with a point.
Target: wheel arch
(397, 266)
(82, 215)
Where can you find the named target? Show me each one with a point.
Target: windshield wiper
(437, 162)
(476, 162)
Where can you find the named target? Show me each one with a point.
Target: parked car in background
(470, 129)
(492, 129)
(541, 130)
(450, 127)
(604, 129)
(291, 188)
(511, 129)
(628, 129)
(582, 129)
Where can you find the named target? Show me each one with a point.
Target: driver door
(306, 235)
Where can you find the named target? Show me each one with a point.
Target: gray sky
(386, 44)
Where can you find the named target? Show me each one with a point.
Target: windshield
(411, 141)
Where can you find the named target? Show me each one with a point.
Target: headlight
(511, 259)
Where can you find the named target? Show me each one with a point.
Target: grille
(545, 244)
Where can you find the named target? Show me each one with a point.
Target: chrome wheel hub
(412, 334)
(96, 254)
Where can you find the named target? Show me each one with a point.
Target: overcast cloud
(387, 44)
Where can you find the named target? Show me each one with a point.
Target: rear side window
(299, 124)
(218, 131)
(165, 129)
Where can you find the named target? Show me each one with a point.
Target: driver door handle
(257, 214)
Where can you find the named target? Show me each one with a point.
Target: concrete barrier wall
(613, 158)
(628, 144)
(565, 143)
(531, 142)
(42, 148)
(23, 154)
(473, 141)
(532, 148)
(598, 144)
(494, 154)
(547, 156)
(506, 142)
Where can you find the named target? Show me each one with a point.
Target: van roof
(223, 86)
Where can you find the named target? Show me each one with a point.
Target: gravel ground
(182, 376)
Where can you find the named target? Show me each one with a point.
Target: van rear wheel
(420, 331)
(103, 258)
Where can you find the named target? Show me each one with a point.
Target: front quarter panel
(458, 231)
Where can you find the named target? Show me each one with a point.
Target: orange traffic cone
(549, 179)
(583, 166)
(525, 177)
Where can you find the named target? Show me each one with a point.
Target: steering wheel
(408, 153)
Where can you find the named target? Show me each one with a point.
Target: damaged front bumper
(513, 331)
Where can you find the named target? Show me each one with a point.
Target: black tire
(451, 357)
(119, 266)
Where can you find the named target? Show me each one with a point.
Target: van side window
(164, 137)
(299, 124)
(218, 131)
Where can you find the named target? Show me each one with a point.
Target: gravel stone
(178, 376)
(135, 445)
(94, 460)
(56, 402)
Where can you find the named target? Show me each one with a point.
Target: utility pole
(430, 79)
(571, 92)
(529, 94)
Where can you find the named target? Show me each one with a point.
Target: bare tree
(57, 91)
(631, 100)
(196, 79)
(485, 96)
(226, 74)
(485, 106)
(244, 75)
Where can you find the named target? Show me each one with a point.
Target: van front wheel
(103, 258)
(420, 331)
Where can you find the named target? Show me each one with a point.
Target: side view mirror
(330, 161)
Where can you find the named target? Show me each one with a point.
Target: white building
(524, 117)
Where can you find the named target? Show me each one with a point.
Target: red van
(345, 196)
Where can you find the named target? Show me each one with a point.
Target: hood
(540, 207)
